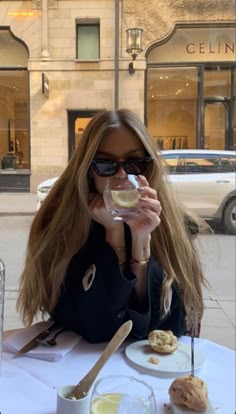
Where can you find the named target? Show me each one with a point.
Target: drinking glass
(121, 196)
(119, 394)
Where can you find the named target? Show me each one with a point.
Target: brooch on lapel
(88, 278)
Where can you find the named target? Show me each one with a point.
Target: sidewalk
(218, 323)
(18, 203)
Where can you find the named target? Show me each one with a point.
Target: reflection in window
(14, 134)
(232, 161)
(217, 82)
(14, 110)
(80, 125)
(201, 165)
(170, 163)
(172, 104)
(88, 40)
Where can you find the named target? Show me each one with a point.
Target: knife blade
(192, 341)
(34, 341)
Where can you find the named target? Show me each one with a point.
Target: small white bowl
(67, 406)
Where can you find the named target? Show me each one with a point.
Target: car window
(232, 160)
(200, 164)
(226, 164)
(170, 162)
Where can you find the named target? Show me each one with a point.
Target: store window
(217, 81)
(14, 110)
(172, 106)
(88, 39)
(191, 88)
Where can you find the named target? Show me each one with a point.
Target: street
(14, 232)
(217, 253)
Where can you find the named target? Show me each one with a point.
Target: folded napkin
(66, 340)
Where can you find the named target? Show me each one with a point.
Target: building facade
(62, 61)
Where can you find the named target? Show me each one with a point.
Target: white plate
(177, 363)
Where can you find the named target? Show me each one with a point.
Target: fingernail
(140, 177)
(143, 198)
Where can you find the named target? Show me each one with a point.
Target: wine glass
(120, 394)
(121, 196)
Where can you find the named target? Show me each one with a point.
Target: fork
(51, 341)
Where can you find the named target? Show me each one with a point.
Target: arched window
(14, 103)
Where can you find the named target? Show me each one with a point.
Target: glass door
(216, 125)
(217, 107)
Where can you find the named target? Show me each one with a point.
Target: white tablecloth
(29, 386)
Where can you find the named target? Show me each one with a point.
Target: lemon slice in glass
(125, 198)
(106, 404)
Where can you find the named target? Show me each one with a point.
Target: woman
(91, 273)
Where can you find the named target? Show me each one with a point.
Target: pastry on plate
(163, 342)
(190, 392)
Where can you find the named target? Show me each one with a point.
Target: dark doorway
(77, 121)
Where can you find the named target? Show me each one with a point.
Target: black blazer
(96, 297)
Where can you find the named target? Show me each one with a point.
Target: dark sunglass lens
(105, 168)
(138, 166)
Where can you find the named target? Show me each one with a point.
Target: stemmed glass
(121, 196)
(121, 394)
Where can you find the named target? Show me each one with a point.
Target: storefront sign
(197, 45)
(45, 87)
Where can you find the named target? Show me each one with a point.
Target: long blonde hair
(62, 225)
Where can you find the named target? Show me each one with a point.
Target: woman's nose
(121, 173)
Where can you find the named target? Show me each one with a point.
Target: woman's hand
(148, 217)
(99, 212)
(114, 229)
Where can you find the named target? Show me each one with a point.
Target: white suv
(205, 180)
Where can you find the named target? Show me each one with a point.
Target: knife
(34, 341)
(192, 341)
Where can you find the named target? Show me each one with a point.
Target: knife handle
(33, 342)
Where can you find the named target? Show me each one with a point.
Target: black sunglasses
(107, 168)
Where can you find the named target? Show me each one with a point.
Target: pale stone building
(61, 61)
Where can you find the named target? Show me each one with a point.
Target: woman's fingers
(144, 223)
(151, 204)
(144, 189)
(148, 192)
(142, 180)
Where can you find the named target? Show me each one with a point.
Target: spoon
(83, 387)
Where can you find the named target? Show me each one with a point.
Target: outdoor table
(29, 386)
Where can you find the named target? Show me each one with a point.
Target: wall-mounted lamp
(134, 46)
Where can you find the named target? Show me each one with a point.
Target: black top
(97, 298)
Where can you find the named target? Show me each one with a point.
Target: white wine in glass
(121, 394)
(121, 196)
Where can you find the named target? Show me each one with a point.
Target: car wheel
(229, 219)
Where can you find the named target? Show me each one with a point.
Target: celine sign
(197, 45)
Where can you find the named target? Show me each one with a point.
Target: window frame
(88, 22)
